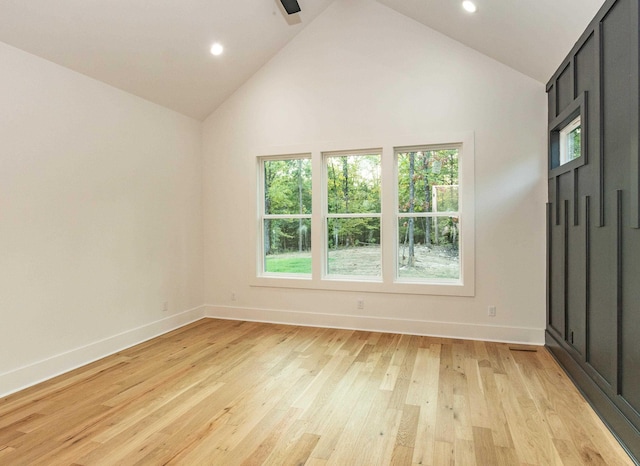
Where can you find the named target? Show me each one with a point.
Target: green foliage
(287, 235)
(437, 231)
(346, 232)
(437, 168)
(427, 183)
(574, 141)
(287, 191)
(287, 186)
(353, 184)
(353, 187)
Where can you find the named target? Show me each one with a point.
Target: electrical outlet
(233, 296)
(165, 307)
(361, 304)
(491, 311)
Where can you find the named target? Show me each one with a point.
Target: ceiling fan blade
(291, 6)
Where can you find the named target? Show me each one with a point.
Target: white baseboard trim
(519, 335)
(26, 376)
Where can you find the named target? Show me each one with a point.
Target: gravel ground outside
(430, 262)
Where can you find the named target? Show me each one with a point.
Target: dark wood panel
(556, 197)
(565, 266)
(557, 280)
(594, 218)
(586, 60)
(576, 197)
(551, 101)
(576, 287)
(618, 291)
(602, 299)
(634, 152)
(566, 199)
(629, 314)
(588, 83)
(587, 274)
(600, 115)
(618, 104)
(548, 251)
(616, 117)
(630, 349)
(564, 89)
(557, 277)
(600, 77)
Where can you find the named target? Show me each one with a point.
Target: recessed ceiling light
(217, 49)
(469, 6)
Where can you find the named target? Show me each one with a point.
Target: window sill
(448, 288)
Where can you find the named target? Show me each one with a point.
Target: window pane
(353, 184)
(428, 181)
(354, 247)
(428, 247)
(570, 141)
(287, 245)
(287, 186)
(444, 198)
(573, 144)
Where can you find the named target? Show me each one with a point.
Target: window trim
(564, 134)
(398, 215)
(318, 280)
(326, 215)
(260, 263)
(576, 109)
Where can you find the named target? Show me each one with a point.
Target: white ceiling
(531, 36)
(159, 49)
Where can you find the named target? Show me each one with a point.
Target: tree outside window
(286, 215)
(416, 238)
(353, 215)
(428, 215)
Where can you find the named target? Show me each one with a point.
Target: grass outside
(285, 263)
(430, 262)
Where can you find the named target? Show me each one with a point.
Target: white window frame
(327, 216)
(433, 214)
(564, 139)
(261, 266)
(388, 234)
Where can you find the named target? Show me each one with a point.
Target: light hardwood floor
(223, 393)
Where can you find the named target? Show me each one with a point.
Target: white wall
(101, 193)
(359, 71)
(100, 219)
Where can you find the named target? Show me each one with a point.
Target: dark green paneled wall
(593, 305)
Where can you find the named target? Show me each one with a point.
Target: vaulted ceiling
(159, 50)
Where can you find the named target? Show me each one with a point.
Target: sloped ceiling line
(159, 50)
